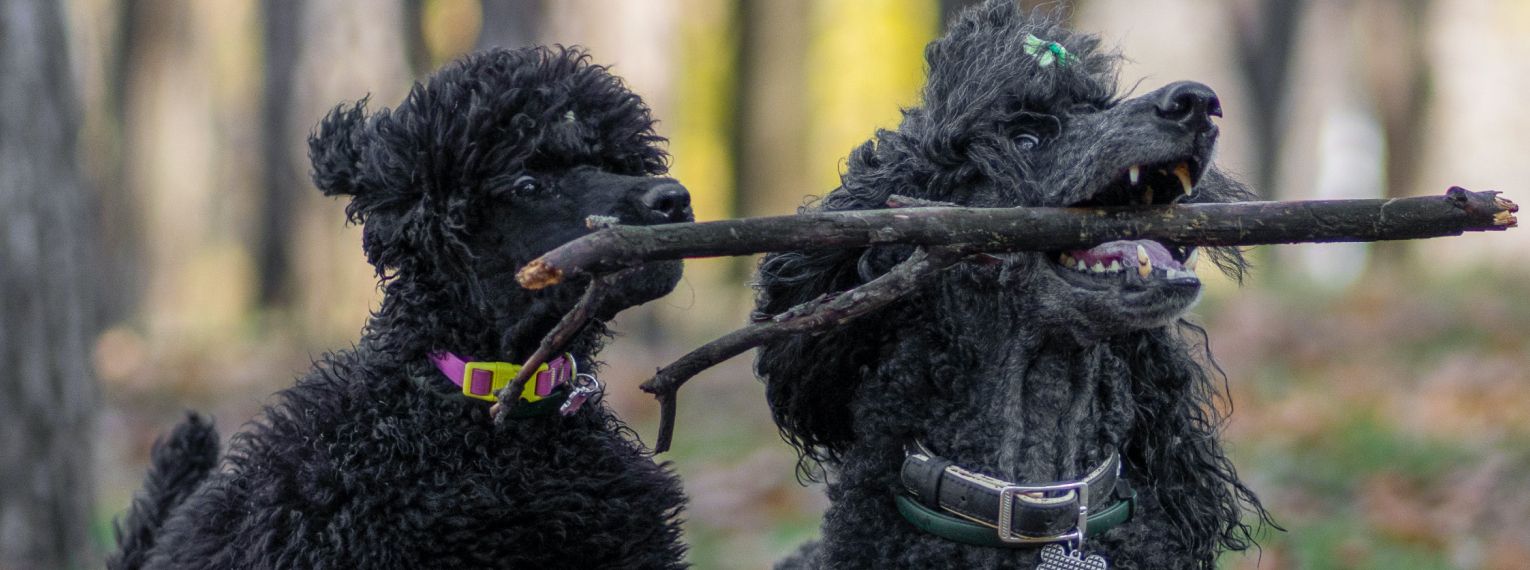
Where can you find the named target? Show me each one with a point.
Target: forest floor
(1384, 427)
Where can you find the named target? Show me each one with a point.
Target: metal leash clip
(585, 385)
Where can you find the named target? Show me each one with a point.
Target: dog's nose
(1188, 103)
(670, 199)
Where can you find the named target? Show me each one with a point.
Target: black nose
(1188, 103)
(669, 199)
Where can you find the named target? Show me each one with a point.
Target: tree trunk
(47, 392)
(1398, 79)
(281, 185)
(510, 23)
(769, 112)
(416, 52)
(117, 232)
(1266, 40)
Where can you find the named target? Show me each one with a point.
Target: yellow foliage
(866, 61)
(214, 293)
(700, 124)
(450, 28)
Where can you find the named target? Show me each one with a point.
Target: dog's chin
(649, 282)
(1112, 302)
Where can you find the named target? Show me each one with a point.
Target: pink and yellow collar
(482, 379)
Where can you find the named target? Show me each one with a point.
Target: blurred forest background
(161, 248)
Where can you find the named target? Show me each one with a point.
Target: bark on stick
(1032, 229)
(822, 313)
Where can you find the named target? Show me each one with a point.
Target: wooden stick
(559, 336)
(824, 312)
(1032, 229)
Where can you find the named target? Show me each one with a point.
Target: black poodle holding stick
(1029, 408)
(386, 455)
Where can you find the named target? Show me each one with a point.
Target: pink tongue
(1125, 252)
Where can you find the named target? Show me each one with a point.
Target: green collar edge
(545, 406)
(967, 532)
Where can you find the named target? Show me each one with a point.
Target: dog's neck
(507, 328)
(998, 397)
(1030, 408)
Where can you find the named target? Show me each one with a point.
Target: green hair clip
(1045, 52)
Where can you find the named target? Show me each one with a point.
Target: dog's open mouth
(1138, 262)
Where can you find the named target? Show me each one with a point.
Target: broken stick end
(1505, 204)
(1484, 204)
(1505, 216)
(539, 275)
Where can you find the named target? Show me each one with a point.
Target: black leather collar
(1037, 513)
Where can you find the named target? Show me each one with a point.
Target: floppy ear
(334, 149)
(341, 148)
(810, 379)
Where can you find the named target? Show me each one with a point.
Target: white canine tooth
(1081, 266)
(1114, 266)
(1134, 173)
(1194, 257)
(1144, 264)
(1098, 267)
(1182, 172)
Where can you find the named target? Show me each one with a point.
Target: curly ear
(810, 379)
(335, 150)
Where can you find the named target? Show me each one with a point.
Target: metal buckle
(1007, 496)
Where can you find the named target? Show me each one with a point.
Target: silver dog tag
(1057, 557)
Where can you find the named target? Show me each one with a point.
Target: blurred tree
(865, 62)
(1266, 33)
(413, 31)
(510, 23)
(1397, 77)
(47, 394)
(281, 183)
(769, 112)
(118, 282)
(438, 31)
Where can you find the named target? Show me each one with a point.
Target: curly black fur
(177, 465)
(1023, 369)
(373, 460)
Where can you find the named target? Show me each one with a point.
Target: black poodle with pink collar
(386, 455)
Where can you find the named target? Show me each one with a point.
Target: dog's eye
(1027, 141)
(526, 185)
